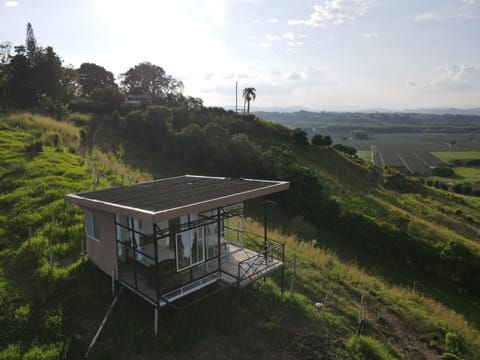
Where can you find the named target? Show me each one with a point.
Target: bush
(34, 147)
(321, 140)
(345, 149)
(443, 171)
(358, 135)
(299, 137)
(78, 119)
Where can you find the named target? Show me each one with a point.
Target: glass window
(91, 226)
(190, 248)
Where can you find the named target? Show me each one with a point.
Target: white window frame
(91, 226)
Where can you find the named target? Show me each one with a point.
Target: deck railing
(271, 254)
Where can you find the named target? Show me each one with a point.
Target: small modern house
(168, 238)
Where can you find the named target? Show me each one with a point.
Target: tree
(299, 137)
(93, 76)
(30, 42)
(145, 79)
(17, 78)
(249, 94)
(345, 149)
(320, 140)
(47, 73)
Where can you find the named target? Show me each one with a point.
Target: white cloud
(369, 36)
(289, 36)
(272, 21)
(336, 12)
(427, 16)
(456, 77)
(11, 3)
(470, 2)
(440, 17)
(272, 37)
(294, 76)
(274, 82)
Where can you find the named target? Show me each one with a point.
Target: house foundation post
(219, 241)
(113, 283)
(155, 322)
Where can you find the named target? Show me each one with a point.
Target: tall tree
(152, 81)
(249, 94)
(47, 73)
(30, 42)
(145, 79)
(93, 76)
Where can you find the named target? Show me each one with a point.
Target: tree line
(35, 78)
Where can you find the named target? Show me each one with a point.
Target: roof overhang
(270, 187)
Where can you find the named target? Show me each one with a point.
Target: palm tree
(248, 95)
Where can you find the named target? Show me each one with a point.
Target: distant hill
(433, 111)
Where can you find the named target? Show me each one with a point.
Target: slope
(51, 300)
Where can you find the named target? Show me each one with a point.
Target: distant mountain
(443, 111)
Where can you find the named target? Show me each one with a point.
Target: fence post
(292, 277)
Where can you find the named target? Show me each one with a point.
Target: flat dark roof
(174, 195)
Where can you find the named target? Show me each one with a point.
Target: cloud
(272, 21)
(272, 37)
(369, 36)
(336, 12)
(470, 2)
(289, 36)
(274, 82)
(294, 76)
(456, 77)
(11, 3)
(440, 17)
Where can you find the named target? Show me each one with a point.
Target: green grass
(468, 174)
(365, 155)
(44, 316)
(456, 155)
(462, 175)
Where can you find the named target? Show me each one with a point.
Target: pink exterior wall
(103, 253)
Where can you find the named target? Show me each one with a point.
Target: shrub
(321, 140)
(299, 137)
(345, 149)
(443, 171)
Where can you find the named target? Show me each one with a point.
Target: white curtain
(136, 226)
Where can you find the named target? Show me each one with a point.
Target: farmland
(417, 153)
(404, 141)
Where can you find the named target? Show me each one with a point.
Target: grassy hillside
(51, 300)
(359, 317)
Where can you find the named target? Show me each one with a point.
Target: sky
(320, 55)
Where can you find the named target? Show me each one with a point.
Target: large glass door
(190, 246)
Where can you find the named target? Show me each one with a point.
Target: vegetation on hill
(37, 290)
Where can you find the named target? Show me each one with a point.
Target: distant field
(428, 142)
(472, 174)
(463, 175)
(456, 155)
(415, 153)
